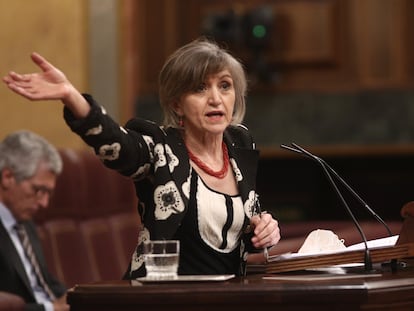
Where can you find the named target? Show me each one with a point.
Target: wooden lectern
(404, 248)
(388, 291)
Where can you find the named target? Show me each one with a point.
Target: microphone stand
(296, 148)
(363, 203)
(393, 263)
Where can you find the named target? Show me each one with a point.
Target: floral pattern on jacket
(156, 160)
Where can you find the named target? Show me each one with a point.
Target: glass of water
(161, 259)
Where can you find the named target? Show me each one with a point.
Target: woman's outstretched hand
(48, 84)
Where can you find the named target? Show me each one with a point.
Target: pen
(265, 251)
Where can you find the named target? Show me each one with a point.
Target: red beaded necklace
(218, 174)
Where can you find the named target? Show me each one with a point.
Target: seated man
(29, 166)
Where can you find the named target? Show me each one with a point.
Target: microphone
(327, 171)
(346, 185)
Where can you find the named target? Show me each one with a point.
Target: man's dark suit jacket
(13, 277)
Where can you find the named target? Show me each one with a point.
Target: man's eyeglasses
(40, 191)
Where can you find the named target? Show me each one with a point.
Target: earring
(180, 122)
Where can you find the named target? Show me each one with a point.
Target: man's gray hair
(23, 151)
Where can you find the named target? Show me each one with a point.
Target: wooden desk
(390, 291)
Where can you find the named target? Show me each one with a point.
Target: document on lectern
(381, 250)
(377, 243)
(382, 242)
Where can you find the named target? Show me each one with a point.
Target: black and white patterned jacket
(157, 161)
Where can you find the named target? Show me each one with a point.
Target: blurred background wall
(325, 72)
(336, 76)
(59, 31)
(79, 37)
(322, 72)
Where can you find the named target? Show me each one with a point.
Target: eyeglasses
(40, 191)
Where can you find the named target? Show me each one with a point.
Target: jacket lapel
(244, 161)
(13, 257)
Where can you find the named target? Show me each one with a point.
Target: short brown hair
(189, 66)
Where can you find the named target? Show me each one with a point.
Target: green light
(259, 31)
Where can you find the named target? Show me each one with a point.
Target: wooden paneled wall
(324, 45)
(57, 30)
(316, 45)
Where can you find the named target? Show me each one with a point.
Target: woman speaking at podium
(195, 174)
